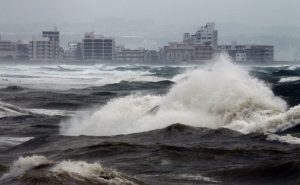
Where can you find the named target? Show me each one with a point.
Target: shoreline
(80, 62)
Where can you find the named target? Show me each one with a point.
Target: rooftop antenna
(55, 28)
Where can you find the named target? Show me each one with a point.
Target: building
(54, 48)
(206, 35)
(7, 50)
(187, 38)
(202, 52)
(39, 49)
(248, 53)
(46, 47)
(193, 48)
(183, 52)
(131, 55)
(14, 50)
(140, 55)
(240, 57)
(73, 52)
(203, 45)
(97, 47)
(151, 56)
(177, 52)
(22, 50)
(260, 53)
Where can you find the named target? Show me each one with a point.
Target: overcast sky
(181, 12)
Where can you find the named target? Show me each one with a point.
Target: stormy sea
(218, 123)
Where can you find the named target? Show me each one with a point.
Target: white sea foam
(84, 170)
(289, 79)
(118, 116)
(294, 67)
(187, 177)
(219, 95)
(79, 167)
(7, 110)
(197, 177)
(284, 139)
(64, 77)
(52, 112)
(24, 164)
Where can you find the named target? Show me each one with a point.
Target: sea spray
(220, 94)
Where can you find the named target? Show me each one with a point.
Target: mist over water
(220, 94)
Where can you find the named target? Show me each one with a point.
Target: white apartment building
(45, 47)
(206, 35)
(53, 37)
(39, 49)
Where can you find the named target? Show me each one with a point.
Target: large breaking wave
(221, 94)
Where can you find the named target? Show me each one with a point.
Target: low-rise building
(249, 53)
(131, 55)
(177, 52)
(260, 53)
(186, 52)
(151, 56)
(202, 52)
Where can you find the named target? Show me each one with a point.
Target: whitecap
(284, 139)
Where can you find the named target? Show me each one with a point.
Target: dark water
(177, 154)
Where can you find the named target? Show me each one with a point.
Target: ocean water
(218, 123)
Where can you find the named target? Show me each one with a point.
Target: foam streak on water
(284, 139)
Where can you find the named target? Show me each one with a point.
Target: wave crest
(39, 169)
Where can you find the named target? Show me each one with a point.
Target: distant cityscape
(194, 48)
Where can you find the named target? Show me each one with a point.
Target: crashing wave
(219, 95)
(40, 170)
(24, 164)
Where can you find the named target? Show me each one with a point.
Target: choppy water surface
(102, 124)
